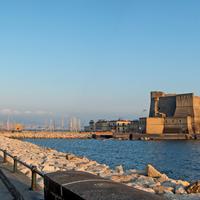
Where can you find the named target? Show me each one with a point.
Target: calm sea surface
(178, 159)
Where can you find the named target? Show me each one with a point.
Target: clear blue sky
(94, 58)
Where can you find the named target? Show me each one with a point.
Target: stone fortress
(169, 114)
(172, 113)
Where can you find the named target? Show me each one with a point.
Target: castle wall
(167, 105)
(184, 105)
(178, 125)
(181, 113)
(152, 125)
(154, 103)
(196, 120)
(162, 105)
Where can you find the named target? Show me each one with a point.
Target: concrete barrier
(73, 185)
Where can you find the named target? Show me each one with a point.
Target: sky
(95, 59)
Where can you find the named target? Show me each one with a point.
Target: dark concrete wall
(154, 100)
(184, 105)
(167, 105)
(73, 185)
(162, 104)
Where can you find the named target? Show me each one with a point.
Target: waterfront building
(91, 127)
(102, 125)
(120, 126)
(133, 127)
(172, 113)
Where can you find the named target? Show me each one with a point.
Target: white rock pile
(49, 160)
(43, 134)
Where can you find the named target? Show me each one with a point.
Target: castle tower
(154, 108)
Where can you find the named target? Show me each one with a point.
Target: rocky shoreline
(96, 135)
(49, 160)
(47, 135)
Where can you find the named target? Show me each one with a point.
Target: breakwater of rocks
(46, 135)
(49, 160)
(96, 135)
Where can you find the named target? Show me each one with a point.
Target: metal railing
(16, 161)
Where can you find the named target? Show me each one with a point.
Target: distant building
(120, 126)
(133, 127)
(52, 125)
(74, 124)
(172, 113)
(169, 113)
(91, 127)
(19, 127)
(102, 125)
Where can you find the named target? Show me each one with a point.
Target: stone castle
(169, 113)
(172, 113)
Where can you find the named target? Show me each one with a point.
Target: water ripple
(178, 159)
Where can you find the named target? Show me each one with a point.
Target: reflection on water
(178, 159)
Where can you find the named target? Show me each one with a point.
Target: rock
(161, 189)
(144, 189)
(194, 188)
(98, 169)
(106, 174)
(163, 178)
(152, 172)
(119, 169)
(154, 185)
(48, 160)
(122, 178)
(70, 156)
(144, 181)
(183, 183)
(70, 166)
(48, 168)
(169, 196)
(80, 168)
(136, 171)
(180, 190)
(169, 183)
